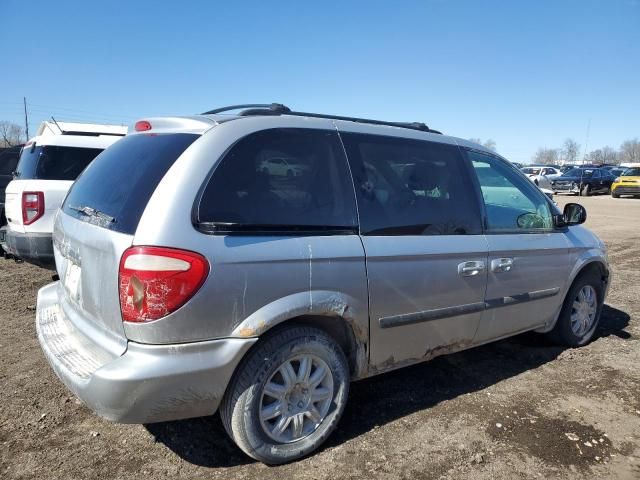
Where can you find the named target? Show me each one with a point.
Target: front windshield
(579, 172)
(632, 172)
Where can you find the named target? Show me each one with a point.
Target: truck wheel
(580, 312)
(586, 191)
(287, 396)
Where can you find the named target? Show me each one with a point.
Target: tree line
(628, 152)
(11, 134)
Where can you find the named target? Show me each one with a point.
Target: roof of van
(199, 124)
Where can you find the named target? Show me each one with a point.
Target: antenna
(59, 128)
(26, 118)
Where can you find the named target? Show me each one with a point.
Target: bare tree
(546, 156)
(630, 151)
(570, 150)
(11, 134)
(490, 144)
(603, 155)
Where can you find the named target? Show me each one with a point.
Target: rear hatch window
(115, 189)
(52, 162)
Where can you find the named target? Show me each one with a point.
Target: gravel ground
(519, 408)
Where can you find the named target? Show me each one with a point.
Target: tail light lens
(32, 207)
(156, 281)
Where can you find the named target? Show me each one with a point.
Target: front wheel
(614, 194)
(580, 312)
(287, 396)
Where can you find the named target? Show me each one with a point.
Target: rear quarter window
(121, 180)
(280, 180)
(52, 162)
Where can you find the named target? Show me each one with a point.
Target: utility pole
(26, 118)
(586, 141)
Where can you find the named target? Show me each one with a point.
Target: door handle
(470, 269)
(499, 265)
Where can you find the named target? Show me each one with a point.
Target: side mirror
(573, 214)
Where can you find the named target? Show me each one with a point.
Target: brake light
(32, 207)
(156, 281)
(142, 126)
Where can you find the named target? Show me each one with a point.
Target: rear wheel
(287, 396)
(580, 312)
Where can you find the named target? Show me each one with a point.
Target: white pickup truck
(49, 164)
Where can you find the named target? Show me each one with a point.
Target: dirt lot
(520, 408)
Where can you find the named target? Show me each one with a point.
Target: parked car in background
(48, 165)
(196, 281)
(8, 161)
(627, 184)
(617, 171)
(283, 167)
(583, 181)
(541, 176)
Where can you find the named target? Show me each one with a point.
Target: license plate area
(71, 281)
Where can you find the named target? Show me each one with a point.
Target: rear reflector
(156, 281)
(32, 207)
(142, 126)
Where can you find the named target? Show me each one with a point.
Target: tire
(614, 194)
(585, 191)
(246, 398)
(564, 333)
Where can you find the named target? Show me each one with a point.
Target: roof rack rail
(279, 109)
(411, 125)
(272, 107)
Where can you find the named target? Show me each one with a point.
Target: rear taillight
(156, 281)
(32, 207)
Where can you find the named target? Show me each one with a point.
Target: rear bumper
(147, 383)
(626, 190)
(36, 248)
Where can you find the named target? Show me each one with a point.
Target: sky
(526, 74)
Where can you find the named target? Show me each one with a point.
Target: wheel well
(596, 268)
(338, 329)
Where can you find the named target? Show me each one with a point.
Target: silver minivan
(193, 279)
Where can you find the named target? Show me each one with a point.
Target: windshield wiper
(92, 212)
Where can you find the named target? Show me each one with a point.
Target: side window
(596, 174)
(64, 163)
(513, 204)
(411, 187)
(281, 179)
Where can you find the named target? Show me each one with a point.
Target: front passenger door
(528, 260)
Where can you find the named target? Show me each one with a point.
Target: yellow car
(627, 184)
